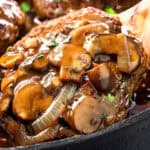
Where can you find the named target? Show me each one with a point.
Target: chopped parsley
(40, 56)
(111, 98)
(109, 10)
(57, 1)
(53, 43)
(131, 100)
(1, 78)
(104, 116)
(25, 6)
(108, 97)
(70, 28)
(9, 48)
(123, 85)
(64, 102)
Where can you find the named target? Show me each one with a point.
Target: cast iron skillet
(130, 134)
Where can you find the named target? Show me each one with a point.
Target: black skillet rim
(80, 138)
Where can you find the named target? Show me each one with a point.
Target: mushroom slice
(40, 62)
(37, 62)
(7, 80)
(14, 76)
(11, 59)
(30, 100)
(126, 49)
(55, 56)
(104, 76)
(78, 35)
(74, 62)
(51, 81)
(22, 73)
(84, 116)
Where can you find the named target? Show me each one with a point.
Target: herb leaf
(64, 102)
(25, 6)
(53, 43)
(131, 100)
(111, 98)
(57, 1)
(9, 48)
(40, 56)
(104, 116)
(109, 10)
(70, 28)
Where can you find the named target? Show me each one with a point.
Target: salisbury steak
(55, 8)
(79, 69)
(11, 18)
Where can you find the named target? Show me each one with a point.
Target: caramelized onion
(56, 109)
(22, 138)
(19, 134)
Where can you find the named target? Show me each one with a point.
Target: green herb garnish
(111, 98)
(123, 85)
(70, 28)
(57, 1)
(1, 78)
(109, 10)
(131, 100)
(63, 102)
(25, 6)
(9, 48)
(53, 43)
(104, 116)
(41, 56)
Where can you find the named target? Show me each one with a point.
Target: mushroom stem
(56, 109)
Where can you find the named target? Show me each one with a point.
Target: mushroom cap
(29, 100)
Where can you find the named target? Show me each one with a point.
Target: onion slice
(18, 132)
(55, 110)
(48, 134)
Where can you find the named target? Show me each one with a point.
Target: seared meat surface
(11, 19)
(54, 8)
(78, 68)
(120, 5)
